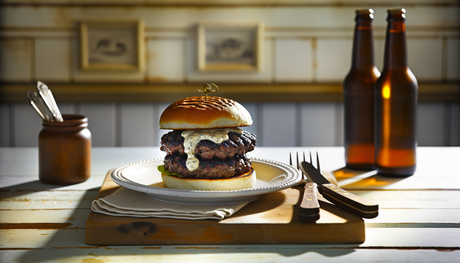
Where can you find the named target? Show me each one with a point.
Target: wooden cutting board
(272, 219)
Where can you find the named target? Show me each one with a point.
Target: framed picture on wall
(229, 46)
(112, 45)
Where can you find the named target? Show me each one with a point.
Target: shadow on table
(210, 253)
(11, 192)
(69, 242)
(36, 185)
(358, 179)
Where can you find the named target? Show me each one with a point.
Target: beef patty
(223, 160)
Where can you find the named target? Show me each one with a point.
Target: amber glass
(64, 151)
(396, 104)
(358, 90)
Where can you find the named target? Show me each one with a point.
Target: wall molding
(223, 3)
(16, 92)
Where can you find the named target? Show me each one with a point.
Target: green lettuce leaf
(162, 169)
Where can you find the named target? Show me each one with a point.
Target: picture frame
(230, 46)
(112, 45)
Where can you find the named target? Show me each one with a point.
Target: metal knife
(341, 198)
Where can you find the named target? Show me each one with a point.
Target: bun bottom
(244, 181)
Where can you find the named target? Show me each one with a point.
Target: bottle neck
(363, 45)
(395, 46)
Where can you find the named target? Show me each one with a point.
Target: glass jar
(64, 155)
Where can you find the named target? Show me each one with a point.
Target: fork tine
(290, 159)
(298, 163)
(310, 158)
(297, 159)
(317, 162)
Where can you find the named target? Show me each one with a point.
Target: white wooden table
(419, 217)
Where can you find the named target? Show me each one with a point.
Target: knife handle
(349, 201)
(309, 207)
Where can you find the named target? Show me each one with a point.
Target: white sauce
(193, 137)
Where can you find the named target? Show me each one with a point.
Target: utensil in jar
(48, 98)
(309, 207)
(39, 105)
(337, 195)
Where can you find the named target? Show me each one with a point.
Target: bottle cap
(364, 14)
(396, 14)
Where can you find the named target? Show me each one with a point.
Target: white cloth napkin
(126, 202)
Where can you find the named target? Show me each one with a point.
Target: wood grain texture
(242, 92)
(417, 222)
(309, 210)
(237, 253)
(270, 220)
(350, 202)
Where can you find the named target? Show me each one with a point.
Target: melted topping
(193, 137)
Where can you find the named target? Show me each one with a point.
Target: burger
(206, 149)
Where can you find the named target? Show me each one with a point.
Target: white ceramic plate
(144, 177)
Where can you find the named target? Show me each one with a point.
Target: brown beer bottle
(358, 89)
(396, 104)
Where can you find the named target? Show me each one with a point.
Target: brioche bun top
(201, 113)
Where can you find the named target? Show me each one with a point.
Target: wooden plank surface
(417, 222)
(270, 220)
(389, 238)
(247, 253)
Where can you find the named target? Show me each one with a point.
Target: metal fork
(304, 177)
(309, 206)
(336, 195)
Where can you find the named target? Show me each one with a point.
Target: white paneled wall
(137, 120)
(194, 75)
(16, 59)
(52, 59)
(279, 125)
(431, 124)
(5, 124)
(320, 124)
(454, 127)
(166, 60)
(332, 56)
(433, 58)
(453, 59)
(103, 119)
(275, 124)
(26, 125)
(303, 43)
(289, 51)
